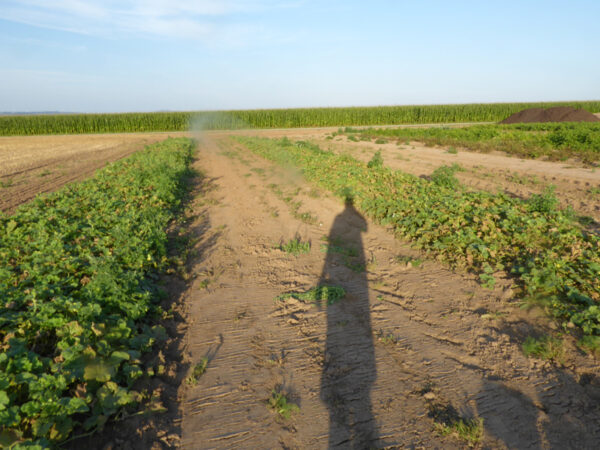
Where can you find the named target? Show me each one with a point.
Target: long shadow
(349, 369)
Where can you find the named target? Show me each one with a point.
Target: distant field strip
(555, 261)
(267, 118)
(557, 141)
(79, 295)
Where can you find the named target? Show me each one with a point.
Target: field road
(412, 343)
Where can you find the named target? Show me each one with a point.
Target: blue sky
(148, 55)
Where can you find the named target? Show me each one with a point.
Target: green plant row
(268, 118)
(556, 141)
(79, 298)
(550, 255)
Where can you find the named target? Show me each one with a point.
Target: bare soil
(410, 344)
(375, 369)
(556, 114)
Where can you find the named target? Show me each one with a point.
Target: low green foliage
(415, 262)
(447, 421)
(595, 191)
(319, 295)
(376, 161)
(444, 176)
(79, 294)
(381, 141)
(295, 246)
(544, 248)
(469, 430)
(545, 203)
(8, 183)
(452, 151)
(557, 141)
(282, 406)
(547, 347)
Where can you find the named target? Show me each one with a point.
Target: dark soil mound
(556, 114)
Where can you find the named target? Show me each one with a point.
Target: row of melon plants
(553, 260)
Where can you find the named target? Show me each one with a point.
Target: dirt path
(411, 344)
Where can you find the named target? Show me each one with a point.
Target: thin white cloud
(204, 20)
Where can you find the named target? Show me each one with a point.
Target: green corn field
(267, 118)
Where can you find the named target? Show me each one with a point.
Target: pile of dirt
(556, 114)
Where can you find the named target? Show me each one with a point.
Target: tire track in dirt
(437, 338)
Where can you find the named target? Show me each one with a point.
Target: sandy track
(368, 370)
(365, 371)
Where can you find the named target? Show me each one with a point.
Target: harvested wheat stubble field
(414, 354)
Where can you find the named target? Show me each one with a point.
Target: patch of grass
(376, 161)
(7, 183)
(444, 176)
(44, 173)
(197, 372)
(281, 404)
(548, 348)
(352, 138)
(307, 218)
(381, 141)
(594, 191)
(415, 262)
(447, 421)
(524, 179)
(295, 246)
(336, 245)
(452, 151)
(258, 170)
(318, 295)
(590, 345)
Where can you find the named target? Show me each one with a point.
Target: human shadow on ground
(349, 370)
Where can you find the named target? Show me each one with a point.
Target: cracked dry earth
(410, 342)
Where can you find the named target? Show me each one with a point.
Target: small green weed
(197, 372)
(318, 295)
(590, 345)
(336, 245)
(8, 183)
(44, 173)
(546, 347)
(415, 262)
(594, 191)
(381, 141)
(452, 151)
(282, 406)
(447, 421)
(295, 246)
(444, 176)
(545, 203)
(376, 161)
(386, 338)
